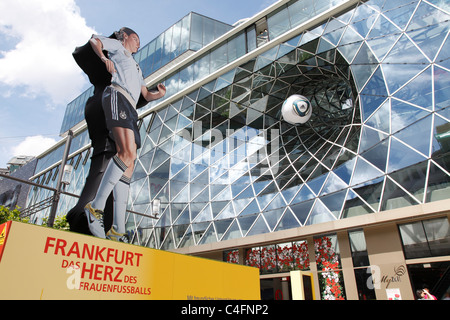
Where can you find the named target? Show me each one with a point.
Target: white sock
(111, 177)
(120, 203)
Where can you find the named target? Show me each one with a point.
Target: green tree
(60, 223)
(6, 214)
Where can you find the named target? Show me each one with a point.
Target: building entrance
(434, 276)
(277, 288)
(297, 286)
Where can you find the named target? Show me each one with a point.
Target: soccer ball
(296, 109)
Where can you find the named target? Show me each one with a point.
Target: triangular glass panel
(277, 202)
(176, 187)
(221, 83)
(179, 232)
(196, 208)
(273, 216)
(209, 236)
(181, 197)
(291, 189)
(143, 196)
(265, 199)
(162, 172)
(378, 155)
(199, 229)
(301, 210)
(246, 222)
(430, 38)
(182, 123)
(363, 26)
(395, 197)
(334, 202)
(319, 214)
(304, 194)
(364, 172)
(427, 15)
(202, 196)
(227, 212)
(240, 204)
(324, 46)
(369, 138)
(224, 195)
(183, 218)
(258, 227)
(251, 209)
(403, 114)
(288, 221)
(396, 75)
(147, 146)
(316, 184)
(441, 131)
(401, 15)
(419, 91)
(233, 232)
(164, 219)
(353, 139)
(217, 207)
(354, 206)
(333, 184)
(444, 53)
(349, 50)
(441, 96)
(344, 166)
(260, 184)
(370, 192)
(237, 188)
(363, 66)
(247, 193)
(160, 157)
(438, 185)
(188, 239)
(374, 93)
(283, 50)
(168, 241)
(422, 129)
(402, 156)
(405, 52)
(139, 172)
(378, 118)
(382, 45)
(333, 31)
(412, 179)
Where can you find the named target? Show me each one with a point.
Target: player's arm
(153, 95)
(97, 46)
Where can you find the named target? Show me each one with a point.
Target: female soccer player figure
(119, 104)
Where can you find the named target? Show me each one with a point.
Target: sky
(38, 76)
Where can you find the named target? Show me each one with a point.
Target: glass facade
(225, 165)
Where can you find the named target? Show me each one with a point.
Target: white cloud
(45, 32)
(33, 146)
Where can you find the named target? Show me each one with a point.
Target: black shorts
(120, 113)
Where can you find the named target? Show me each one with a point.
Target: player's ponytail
(120, 34)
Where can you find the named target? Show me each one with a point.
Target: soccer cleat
(115, 236)
(95, 221)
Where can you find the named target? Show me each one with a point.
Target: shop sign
(377, 278)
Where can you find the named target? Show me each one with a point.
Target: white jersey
(128, 74)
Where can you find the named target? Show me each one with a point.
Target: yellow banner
(44, 263)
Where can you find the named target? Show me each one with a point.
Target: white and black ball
(296, 109)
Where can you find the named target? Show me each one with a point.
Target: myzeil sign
(377, 278)
(42, 263)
